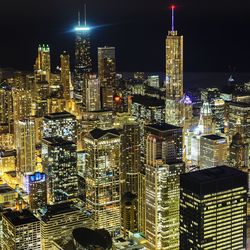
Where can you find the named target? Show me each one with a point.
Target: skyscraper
(93, 98)
(163, 167)
(83, 63)
(42, 66)
(174, 75)
(107, 75)
(62, 125)
(25, 146)
(213, 209)
(21, 230)
(59, 160)
(65, 74)
(102, 177)
(213, 151)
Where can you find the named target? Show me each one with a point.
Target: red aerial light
(173, 7)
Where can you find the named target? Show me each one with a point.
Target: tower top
(173, 12)
(84, 27)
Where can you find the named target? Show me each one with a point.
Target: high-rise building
(35, 186)
(239, 112)
(131, 157)
(102, 177)
(65, 74)
(206, 125)
(213, 209)
(42, 66)
(238, 152)
(154, 81)
(62, 125)
(107, 75)
(163, 167)
(174, 75)
(83, 63)
(41, 96)
(59, 161)
(25, 146)
(93, 99)
(21, 230)
(7, 161)
(22, 104)
(6, 105)
(213, 151)
(59, 221)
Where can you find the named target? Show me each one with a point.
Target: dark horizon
(215, 37)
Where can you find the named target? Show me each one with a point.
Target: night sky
(216, 32)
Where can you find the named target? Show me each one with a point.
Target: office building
(174, 75)
(213, 209)
(206, 124)
(42, 66)
(7, 161)
(35, 186)
(59, 161)
(163, 167)
(62, 125)
(154, 81)
(131, 157)
(21, 230)
(213, 151)
(65, 74)
(83, 62)
(8, 197)
(107, 75)
(93, 98)
(25, 146)
(102, 176)
(238, 152)
(59, 221)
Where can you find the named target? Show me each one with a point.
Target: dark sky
(216, 32)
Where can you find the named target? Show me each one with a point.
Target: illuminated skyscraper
(238, 152)
(107, 75)
(102, 177)
(174, 75)
(206, 125)
(131, 157)
(213, 209)
(6, 105)
(21, 230)
(25, 146)
(36, 188)
(43, 66)
(163, 167)
(213, 151)
(41, 96)
(59, 221)
(22, 104)
(59, 160)
(65, 74)
(62, 125)
(83, 64)
(93, 99)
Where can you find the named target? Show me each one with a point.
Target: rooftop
(240, 104)
(5, 188)
(55, 116)
(56, 209)
(18, 218)
(213, 180)
(148, 101)
(214, 137)
(57, 141)
(98, 133)
(162, 126)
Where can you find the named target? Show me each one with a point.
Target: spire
(172, 8)
(85, 15)
(79, 18)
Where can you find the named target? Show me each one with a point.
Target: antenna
(79, 18)
(173, 8)
(85, 15)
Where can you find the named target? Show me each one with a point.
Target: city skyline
(208, 25)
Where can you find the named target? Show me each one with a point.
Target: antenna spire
(79, 18)
(85, 15)
(173, 8)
